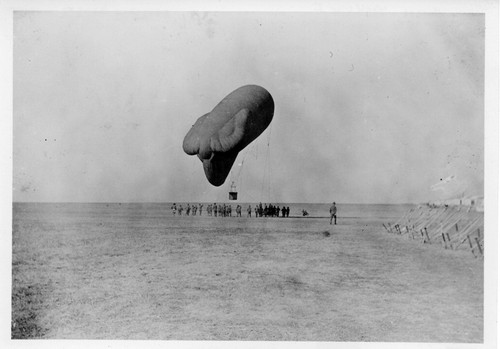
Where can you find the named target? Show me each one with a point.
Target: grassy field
(116, 275)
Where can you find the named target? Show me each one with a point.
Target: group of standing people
(225, 210)
(222, 210)
(269, 210)
(189, 210)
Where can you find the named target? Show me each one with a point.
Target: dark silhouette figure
(333, 213)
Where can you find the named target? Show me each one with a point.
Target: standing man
(333, 213)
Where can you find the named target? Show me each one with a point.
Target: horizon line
(194, 201)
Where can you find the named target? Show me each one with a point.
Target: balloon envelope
(217, 137)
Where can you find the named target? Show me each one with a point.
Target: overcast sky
(369, 108)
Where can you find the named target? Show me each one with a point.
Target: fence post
(479, 245)
(429, 240)
(449, 240)
(423, 237)
(471, 247)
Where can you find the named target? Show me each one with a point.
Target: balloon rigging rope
(266, 178)
(266, 175)
(236, 178)
(268, 160)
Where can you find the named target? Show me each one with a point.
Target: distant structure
(475, 202)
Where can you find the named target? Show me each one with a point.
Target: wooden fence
(453, 227)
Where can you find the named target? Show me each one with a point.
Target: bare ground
(205, 278)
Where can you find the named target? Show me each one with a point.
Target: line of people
(269, 211)
(225, 210)
(189, 210)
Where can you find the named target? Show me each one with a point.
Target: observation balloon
(218, 136)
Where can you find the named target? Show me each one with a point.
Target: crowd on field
(225, 210)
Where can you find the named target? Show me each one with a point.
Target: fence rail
(452, 227)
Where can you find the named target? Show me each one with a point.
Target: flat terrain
(142, 274)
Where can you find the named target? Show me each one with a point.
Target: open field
(136, 272)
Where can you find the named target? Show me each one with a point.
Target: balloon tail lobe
(218, 167)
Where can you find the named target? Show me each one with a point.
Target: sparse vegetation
(130, 272)
(26, 305)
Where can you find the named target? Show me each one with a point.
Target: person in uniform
(333, 213)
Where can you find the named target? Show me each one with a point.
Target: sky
(369, 107)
